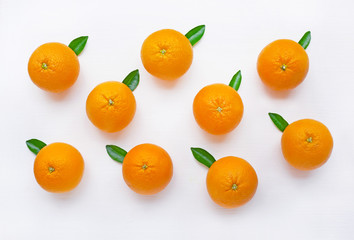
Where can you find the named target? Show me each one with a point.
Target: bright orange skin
(147, 169)
(167, 54)
(281, 53)
(111, 106)
(306, 144)
(218, 108)
(222, 176)
(62, 67)
(67, 167)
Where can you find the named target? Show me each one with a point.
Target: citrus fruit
(110, 106)
(218, 108)
(283, 64)
(306, 144)
(147, 169)
(53, 67)
(231, 181)
(167, 54)
(58, 167)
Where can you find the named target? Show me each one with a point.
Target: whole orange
(231, 182)
(218, 108)
(283, 64)
(58, 167)
(306, 144)
(167, 54)
(147, 169)
(53, 67)
(110, 106)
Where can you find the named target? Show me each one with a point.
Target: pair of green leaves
(115, 152)
(194, 35)
(118, 154)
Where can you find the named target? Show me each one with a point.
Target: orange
(147, 169)
(283, 64)
(306, 144)
(218, 108)
(111, 106)
(167, 54)
(53, 67)
(231, 182)
(58, 167)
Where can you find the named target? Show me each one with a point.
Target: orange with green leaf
(283, 64)
(306, 144)
(58, 167)
(147, 168)
(55, 67)
(167, 54)
(231, 181)
(218, 108)
(111, 105)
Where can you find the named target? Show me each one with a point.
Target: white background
(289, 204)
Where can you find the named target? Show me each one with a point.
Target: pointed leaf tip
(203, 156)
(236, 81)
(305, 40)
(132, 79)
(35, 145)
(78, 44)
(116, 153)
(279, 121)
(195, 34)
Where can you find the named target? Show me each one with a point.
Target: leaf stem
(35, 145)
(203, 156)
(279, 121)
(236, 81)
(305, 40)
(116, 153)
(195, 34)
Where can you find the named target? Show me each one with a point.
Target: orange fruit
(231, 182)
(147, 169)
(53, 67)
(110, 106)
(58, 167)
(167, 54)
(283, 64)
(218, 108)
(306, 144)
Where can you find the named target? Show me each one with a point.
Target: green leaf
(132, 80)
(35, 145)
(78, 44)
(195, 34)
(279, 121)
(203, 156)
(116, 153)
(305, 40)
(236, 81)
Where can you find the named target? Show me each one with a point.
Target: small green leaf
(305, 40)
(203, 156)
(116, 153)
(236, 81)
(279, 121)
(195, 34)
(132, 80)
(35, 145)
(78, 44)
